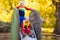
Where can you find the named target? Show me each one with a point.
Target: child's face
(27, 19)
(22, 4)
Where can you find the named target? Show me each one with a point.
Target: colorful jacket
(27, 24)
(22, 10)
(24, 7)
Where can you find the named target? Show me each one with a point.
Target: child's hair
(21, 2)
(27, 18)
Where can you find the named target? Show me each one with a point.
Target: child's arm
(17, 7)
(21, 26)
(27, 8)
(29, 26)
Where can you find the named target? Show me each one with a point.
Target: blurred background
(46, 10)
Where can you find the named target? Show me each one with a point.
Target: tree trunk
(57, 26)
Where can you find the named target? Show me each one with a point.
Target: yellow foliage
(45, 8)
(47, 30)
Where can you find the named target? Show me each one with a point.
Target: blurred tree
(57, 26)
(45, 7)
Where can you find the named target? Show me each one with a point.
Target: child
(26, 27)
(22, 9)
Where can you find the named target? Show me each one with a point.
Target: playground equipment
(35, 28)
